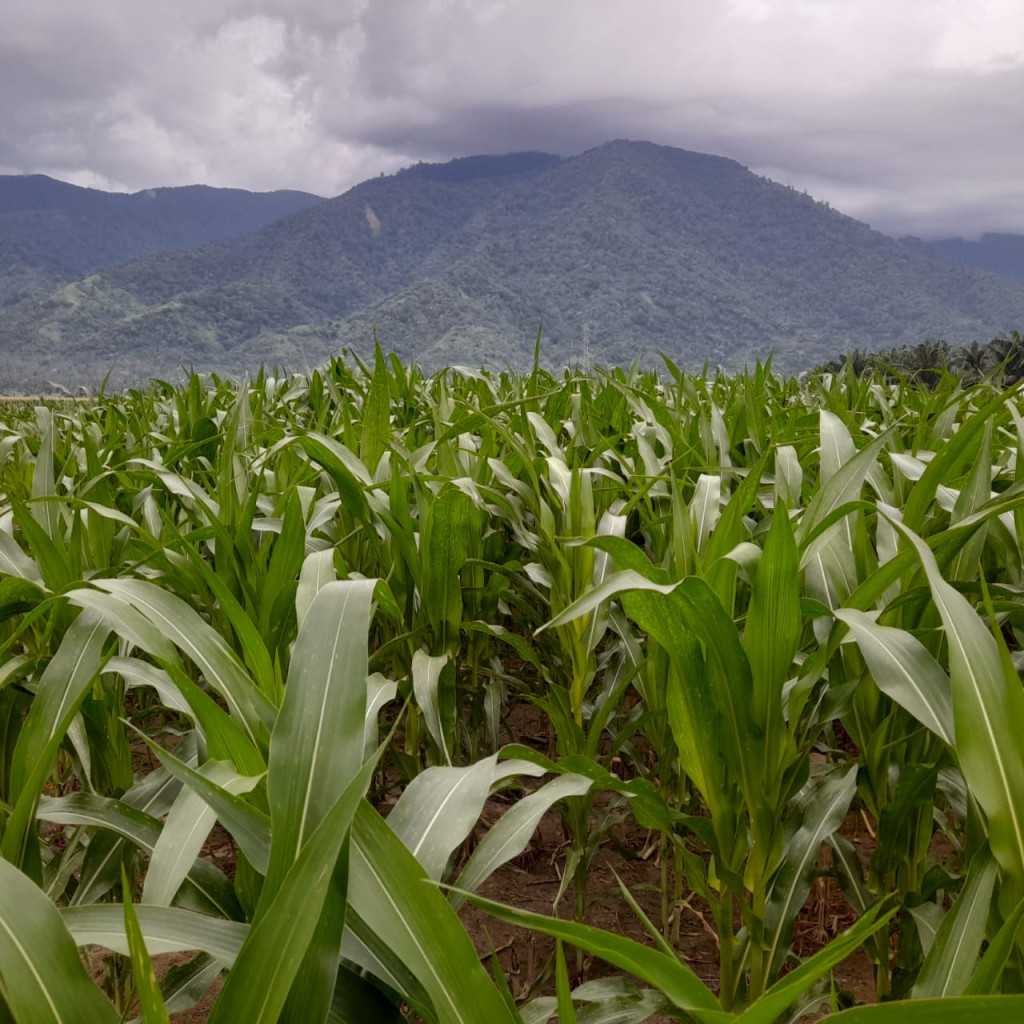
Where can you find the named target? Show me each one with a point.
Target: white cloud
(905, 114)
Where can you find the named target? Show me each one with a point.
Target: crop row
(746, 607)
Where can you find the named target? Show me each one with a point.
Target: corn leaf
(42, 979)
(415, 927)
(151, 1002)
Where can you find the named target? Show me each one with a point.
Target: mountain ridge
(999, 252)
(643, 248)
(52, 231)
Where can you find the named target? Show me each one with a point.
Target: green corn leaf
(774, 625)
(62, 688)
(617, 583)
(975, 493)
(271, 958)
(904, 670)
(249, 826)
(42, 979)
(962, 1010)
(415, 928)
(912, 801)
(426, 687)
(510, 835)
(566, 1011)
(617, 1001)
(953, 451)
(44, 486)
(49, 555)
(539, 1010)
(444, 547)
(151, 1002)
(739, 739)
(14, 561)
(439, 808)
(201, 878)
(137, 673)
(254, 649)
(127, 621)
(187, 630)
(844, 486)
(136, 825)
(185, 831)
(951, 960)
(286, 557)
(347, 472)
(317, 743)
(357, 1001)
(693, 717)
(317, 570)
(825, 803)
(792, 986)
(706, 507)
(165, 929)
(668, 974)
(185, 984)
(985, 980)
(731, 529)
(316, 746)
(376, 421)
(987, 705)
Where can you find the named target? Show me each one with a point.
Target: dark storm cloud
(908, 115)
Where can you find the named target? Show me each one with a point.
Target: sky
(908, 114)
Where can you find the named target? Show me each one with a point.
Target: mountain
(1002, 254)
(51, 232)
(636, 247)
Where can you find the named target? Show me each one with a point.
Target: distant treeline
(928, 361)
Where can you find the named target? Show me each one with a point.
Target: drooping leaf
(987, 704)
(671, 976)
(904, 670)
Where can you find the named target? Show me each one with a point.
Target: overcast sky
(906, 113)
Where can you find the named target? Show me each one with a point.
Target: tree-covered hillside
(629, 249)
(53, 232)
(1000, 253)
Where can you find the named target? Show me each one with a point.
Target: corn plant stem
(723, 911)
(881, 942)
(677, 892)
(758, 950)
(665, 904)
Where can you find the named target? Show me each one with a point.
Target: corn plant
(764, 601)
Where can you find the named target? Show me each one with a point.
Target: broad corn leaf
(154, 1011)
(42, 979)
(672, 976)
(391, 897)
(905, 670)
(987, 708)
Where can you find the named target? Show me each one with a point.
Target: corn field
(749, 610)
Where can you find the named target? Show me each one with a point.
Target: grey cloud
(906, 115)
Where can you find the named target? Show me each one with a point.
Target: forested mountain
(52, 232)
(634, 247)
(1000, 253)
